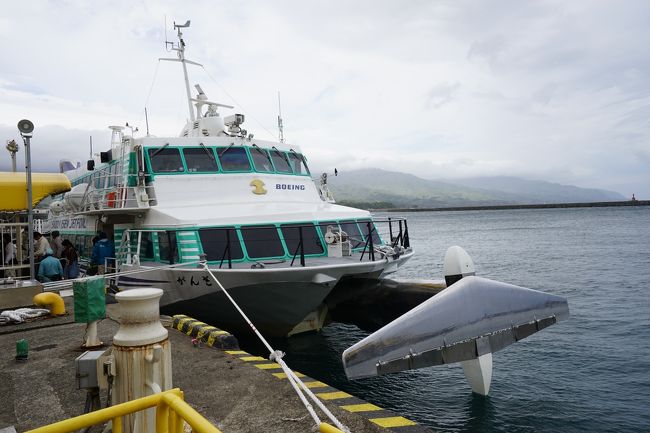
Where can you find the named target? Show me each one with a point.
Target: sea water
(590, 373)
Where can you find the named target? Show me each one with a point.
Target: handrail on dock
(171, 412)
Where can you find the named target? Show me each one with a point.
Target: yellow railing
(171, 412)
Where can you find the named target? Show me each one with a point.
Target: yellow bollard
(51, 301)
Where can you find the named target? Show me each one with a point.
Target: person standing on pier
(9, 255)
(41, 245)
(71, 258)
(57, 244)
(50, 268)
(103, 249)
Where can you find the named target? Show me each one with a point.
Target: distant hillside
(376, 188)
(537, 191)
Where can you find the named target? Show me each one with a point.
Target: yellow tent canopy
(13, 188)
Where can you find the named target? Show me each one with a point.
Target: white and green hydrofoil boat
(272, 236)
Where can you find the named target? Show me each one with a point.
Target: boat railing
(109, 193)
(401, 238)
(369, 244)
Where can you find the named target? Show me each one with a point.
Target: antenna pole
(181, 57)
(146, 119)
(280, 127)
(180, 50)
(91, 147)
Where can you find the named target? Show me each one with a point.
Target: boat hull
(275, 299)
(274, 308)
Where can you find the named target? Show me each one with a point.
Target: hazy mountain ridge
(540, 191)
(406, 190)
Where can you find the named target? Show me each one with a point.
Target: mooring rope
(276, 355)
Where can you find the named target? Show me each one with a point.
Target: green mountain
(376, 188)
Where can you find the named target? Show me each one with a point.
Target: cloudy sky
(550, 90)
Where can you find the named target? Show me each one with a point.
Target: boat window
(167, 247)
(280, 162)
(261, 160)
(215, 244)
(233, 159)
(146, 245)
(351, 228)
(310, 239)
(199, 159)
(86, 244)
(363, 224)
(262, 241)
(298, 163)
(165, 160)
(323, 226)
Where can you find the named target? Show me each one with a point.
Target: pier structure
(234, 390)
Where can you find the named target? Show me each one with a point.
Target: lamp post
(26, 127)
(12, 147)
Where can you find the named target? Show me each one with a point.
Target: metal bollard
(142, 354)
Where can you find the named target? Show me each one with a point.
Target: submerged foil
(470, 318)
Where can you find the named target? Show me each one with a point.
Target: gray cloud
(441, 94)
(550, 89)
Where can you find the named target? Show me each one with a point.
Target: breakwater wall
(522, 206)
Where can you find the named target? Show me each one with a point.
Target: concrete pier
(235, 391)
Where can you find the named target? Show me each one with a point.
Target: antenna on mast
(91, 147)
(280, 126)
(180, 51)
(146, 119)
(166, 41)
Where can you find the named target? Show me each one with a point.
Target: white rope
(276, 355)
(293, 377)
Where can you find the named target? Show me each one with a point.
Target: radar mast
(180, 51)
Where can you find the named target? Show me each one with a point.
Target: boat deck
(354, 259)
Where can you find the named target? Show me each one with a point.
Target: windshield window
(280, 163)
(165, 160)
(311, 241)
(198, 159)
(261, 159)
(363, 224)
(215, 243)
(262, 241)
(351, 228)
(233, 159)
(297, 163)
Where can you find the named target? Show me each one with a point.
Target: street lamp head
(25, 126)
(12, 146)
